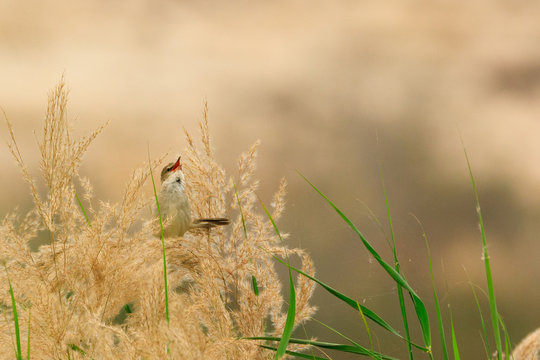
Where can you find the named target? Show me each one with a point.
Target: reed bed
(96, 289)
(103, 287)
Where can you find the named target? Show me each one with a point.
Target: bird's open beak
(177, 165)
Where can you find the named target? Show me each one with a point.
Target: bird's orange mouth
(177, 165)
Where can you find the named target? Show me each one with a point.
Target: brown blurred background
(333, 89)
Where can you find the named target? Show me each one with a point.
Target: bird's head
(172, 172)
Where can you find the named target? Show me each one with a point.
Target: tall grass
(489, 277)
(18, 350)
(208, 295)
(220, 287)
(162, 237)
(402, 306)
(401, 283)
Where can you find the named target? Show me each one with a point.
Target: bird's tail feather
(210, 222)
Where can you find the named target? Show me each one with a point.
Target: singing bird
(174, 205)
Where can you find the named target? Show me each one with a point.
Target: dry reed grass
(76, 285)
(529, 347)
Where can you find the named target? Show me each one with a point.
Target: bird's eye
(169, 168)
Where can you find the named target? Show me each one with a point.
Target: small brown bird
(174, 205)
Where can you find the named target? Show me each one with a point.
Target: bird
(174, 205)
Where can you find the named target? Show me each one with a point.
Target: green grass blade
(507, 343)
(82, 209)
(491, 290)
(295, 354)
(483, 323)
(78, 349)
(374, 355)
(255, 286)
(127, 308)
(352, 349)
(15, 318)
(352, 303)
(28, 340)
(401, 299)
(439, 320)
(291, 312)
(289, 323)
(419, 306)
(338, 333)
(166, 289)
(454, 340)
(253, 278)
(404, 317)
(365, 325)
(435, 296)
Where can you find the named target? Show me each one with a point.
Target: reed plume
(95, 290)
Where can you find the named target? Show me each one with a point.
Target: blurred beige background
(332, 89)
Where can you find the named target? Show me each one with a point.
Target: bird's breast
(175, 211)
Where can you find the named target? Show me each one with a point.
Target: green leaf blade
(420, 309)
(82, 209)
(489, 277)
(352, 349)
(352, 303)
(291, 312)
(15, 318)
(166, 288)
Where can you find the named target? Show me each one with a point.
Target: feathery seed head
(96, 287)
